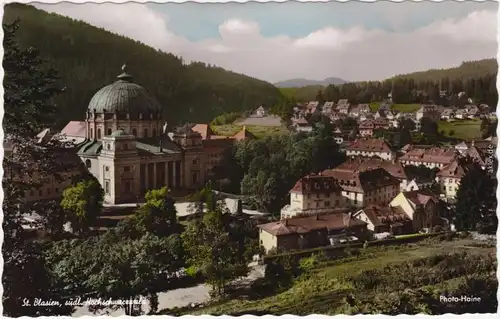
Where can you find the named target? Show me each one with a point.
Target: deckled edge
(312, 316)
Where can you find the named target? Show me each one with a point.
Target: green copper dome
(125, 97)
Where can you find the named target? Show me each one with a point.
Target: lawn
(461, 129)
(404, 108)
(320, 289)
(258, 131)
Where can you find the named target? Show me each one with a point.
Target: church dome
(124, 97)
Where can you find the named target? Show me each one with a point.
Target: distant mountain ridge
(305, 82)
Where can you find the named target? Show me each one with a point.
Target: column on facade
(174, 177)
(154, 176)
(146, 178)
(166, 175)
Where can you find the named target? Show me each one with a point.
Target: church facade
(125, 144)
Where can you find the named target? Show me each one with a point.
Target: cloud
(353, 53)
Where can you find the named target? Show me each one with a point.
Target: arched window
(91, 133)
(98, 133)
(106, 168)
(109, 131)
(108, 146)
(154, 132)
(146, 133)
(88, 163)
(134, 132)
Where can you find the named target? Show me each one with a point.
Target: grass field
(461, 129)
(404, 108)
(258, 131)
(320, 289)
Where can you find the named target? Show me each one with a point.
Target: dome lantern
(124, 76)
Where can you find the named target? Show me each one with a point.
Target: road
(179, 297)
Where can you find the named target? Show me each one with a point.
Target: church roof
(124, 96)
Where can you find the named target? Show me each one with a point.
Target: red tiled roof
(370, 163)
(204, 130)
(454, 169)
(361, 181)
(432, 155)
(380, 215)
(312, 184)
(244, 134)
(370, 145)
(303, 225)
(421, 197)
(75, 129)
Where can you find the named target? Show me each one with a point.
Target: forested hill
(467, 70)
(88, 58)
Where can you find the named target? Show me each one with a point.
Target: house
(385, 219)
(328, 108)
(461, 114)
(421, 206)
(416, 184)
(302, 125)
(371, 147)
(447, 114)
(428, 111)
(393, 123)
(360, 188)
(380, 114)
(473, 113)
(344, 108)
(312, 107)
(354, 112)
(369, 163)
(434, 157)
(364, 108)
(381, 123)
(449, 179)
(343, 102)
(366, 128)
(313, 194)
(391, 115)
(261, 111)
(308, 232)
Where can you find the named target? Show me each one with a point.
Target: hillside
(87, 58)
(295, 83)
(467, 70)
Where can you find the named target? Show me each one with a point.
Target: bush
(226, 118)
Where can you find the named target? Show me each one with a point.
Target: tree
(83, 203)
(30, 87)
(476, 200)
(214, 250)
(117, 268)
(428, 127)
(158, 215)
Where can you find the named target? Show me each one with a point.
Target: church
(126, 145)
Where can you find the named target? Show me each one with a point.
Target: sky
(354, 41)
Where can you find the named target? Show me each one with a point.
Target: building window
(106, 168)
(32, 193)
(327, 204)
(57, 190)
(40, 192)
(98, 133)
(126, 169)
(127, 187)
(125, 146)
(108, 146)
(106, 186)
(109, 131)
(91, 133)
(134, 132)
(48, 191)
(88, 163)
(195, 162)
(317, 195)
(154, 132)
(195, 178)
(146, 133)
